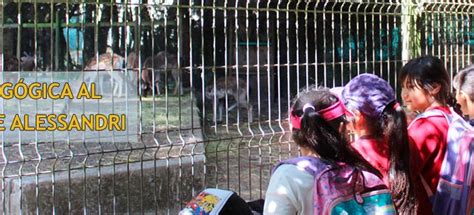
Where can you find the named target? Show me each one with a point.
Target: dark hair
(464, 81)
(321, 136)
(392, 126)
(427, 71)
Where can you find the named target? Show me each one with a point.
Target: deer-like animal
(221, 89)
(107, 62)
(156, 65)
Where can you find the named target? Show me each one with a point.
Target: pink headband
(332, 112)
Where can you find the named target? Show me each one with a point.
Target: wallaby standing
(220, 90)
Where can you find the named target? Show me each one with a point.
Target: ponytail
(401, 183)
(323, 136)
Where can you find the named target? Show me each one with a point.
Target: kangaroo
(157, 64)
(220, 90)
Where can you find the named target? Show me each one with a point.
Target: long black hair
(392, 126)
(321, 136)
(427, 71)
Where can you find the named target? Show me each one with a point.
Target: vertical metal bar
(306, 52)
(203, 71)
(462, 41)
(426, 29)
(316, 63)
(433, 29)
(357, 39)
(35, 54)
(469, 24)
(380, 41)
(389, 37)
(258, 64)
(191, 81)
(397, 16)
(366, 55)
(333, 44)
(20, 150)
(270, 66)
(350, 36)
(446, 36)
(374, 51)
(227, 52)
(288, 63)
(325, 59)
(341, 34)
(297, 43)
(247, 26)
(452, 38)
(456, 39)
(237, 62)
(177, 86)
(278, 65)
(214, 71)
(3, 155)
(249, 154)
(439, 29)
(248, 67)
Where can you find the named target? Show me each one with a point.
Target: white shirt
(290, 191)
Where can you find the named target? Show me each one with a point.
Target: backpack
(454, 191)
(344, 189)
(216, 201)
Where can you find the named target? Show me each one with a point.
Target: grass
(169, 112)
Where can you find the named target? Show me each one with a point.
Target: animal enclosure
(215, 80)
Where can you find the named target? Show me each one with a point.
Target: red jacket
(375, 152)
(427, 148)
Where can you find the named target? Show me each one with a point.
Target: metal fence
(215, 81)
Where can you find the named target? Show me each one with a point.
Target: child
(464, 84)
(380, 125)
(318, 120)
(425, 87)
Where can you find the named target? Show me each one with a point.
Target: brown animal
(11, 63)
(107, 62)
(27, 63)
(220, 90)
(156, 65)
(132, 61)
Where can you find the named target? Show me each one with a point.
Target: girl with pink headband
(318, 120)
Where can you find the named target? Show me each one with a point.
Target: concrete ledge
(140, 187)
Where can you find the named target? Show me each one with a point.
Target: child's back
(426, 87)
(296, 187)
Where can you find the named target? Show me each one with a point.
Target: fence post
(405, 30)
(411, 37)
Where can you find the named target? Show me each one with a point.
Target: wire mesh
(215, 81)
